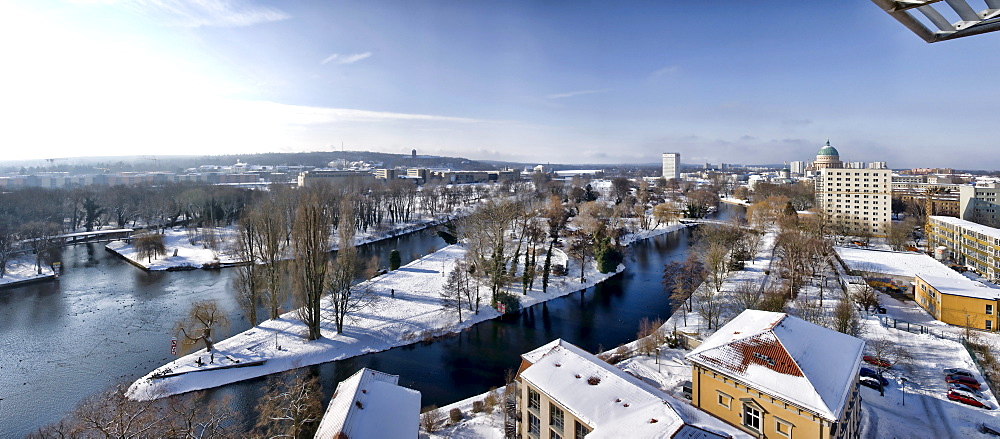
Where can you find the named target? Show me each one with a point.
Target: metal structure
(969, 21)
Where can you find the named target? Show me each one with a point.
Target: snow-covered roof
(603, 396)
(370, 404)
(969, 225)
(786, 357)
(960, 286)
(892, 263)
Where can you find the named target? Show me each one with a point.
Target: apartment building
(967, 243)
(777, 376)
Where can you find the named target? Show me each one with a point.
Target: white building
(371, 404)
(671, 165)
(979, 203)
(858, 200)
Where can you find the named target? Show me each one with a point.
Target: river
(105, 321)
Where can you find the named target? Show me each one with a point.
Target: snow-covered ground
(407, 309)
(21, 270)
(190, 248)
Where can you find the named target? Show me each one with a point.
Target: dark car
(866, 372)
(869, 382)
(962, 379)
(876, 361)
(968, 398)
(958, 371)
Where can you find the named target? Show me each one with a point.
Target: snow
(904, 264)
(413, 313)
(185, 250)
(992, 233)
(22, 269)
(371, 404)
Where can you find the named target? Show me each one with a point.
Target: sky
(529, 81)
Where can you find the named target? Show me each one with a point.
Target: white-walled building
(671, 165)
(980, 204)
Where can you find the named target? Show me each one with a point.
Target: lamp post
(903, 389)
(657, 359)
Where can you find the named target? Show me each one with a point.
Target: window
(725, 400)
(556, 417)
(580, 430)
(533, 400)
(989, 325)
(751, 417)
(989, 310)
(783, 427)
(554, 435)
(534, 425)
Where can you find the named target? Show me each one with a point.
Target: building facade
(856, 200)
(957, 300)
(967, 243)
(763, 373)
(671, 165)
(979, 203)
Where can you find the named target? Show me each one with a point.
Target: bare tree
(149, 245)
(486, 232)
(291, 408)
(203, 317)
(311, 243)
(9, 243)
(247, 283)
(346, 297)
(746, 295)
(455, 290)
(710, 305)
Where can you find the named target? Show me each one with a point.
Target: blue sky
(531, 81)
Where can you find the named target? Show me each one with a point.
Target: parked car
(968, 398)
(958, 371)
(964, 388)
(962, 379)
(869, 373)
(869, 382)
(876, 361)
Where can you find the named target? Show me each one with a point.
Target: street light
(903, 389)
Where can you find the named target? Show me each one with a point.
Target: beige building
(957, 300)
(858, 200)
(827, 157)
(777, 376)
(979, 203)
(566, 392)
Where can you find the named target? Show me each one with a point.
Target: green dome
(828, 150)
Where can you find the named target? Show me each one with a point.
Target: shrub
(394, 260)
(478, 406)
(455, 415)
(510, 301)
(430, 418)
(490, 401)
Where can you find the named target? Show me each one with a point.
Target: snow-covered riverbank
(21, 271)
(407, 309)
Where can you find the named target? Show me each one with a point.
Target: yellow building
(566, 392)
(970, 244)
(957, 300)
(777, 376)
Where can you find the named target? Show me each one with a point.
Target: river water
(105, 322)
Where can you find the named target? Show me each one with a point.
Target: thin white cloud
(666, 71)
(346, 59)
(201, 13)
(573, 93)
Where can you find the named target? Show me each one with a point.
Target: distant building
(371, 404)
(797, 167)
(774, 375)
(827, 157)
(672, 165)
(979, 203)
(385, 174)
(332, 177)
(857, 200)
(413, 154)
(566, 392)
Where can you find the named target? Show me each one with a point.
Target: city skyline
(555, 82)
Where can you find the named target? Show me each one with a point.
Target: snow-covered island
(23, 270)
(407, 309)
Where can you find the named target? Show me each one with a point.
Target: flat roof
(961, 286)
(969, 225)
(892, 263)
